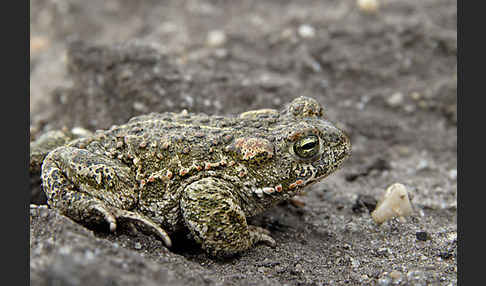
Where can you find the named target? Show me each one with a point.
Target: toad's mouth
(320, 171)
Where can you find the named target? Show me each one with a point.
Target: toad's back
(184, 142)
(168, 151)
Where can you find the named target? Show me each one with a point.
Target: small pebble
(89, 255)
(422, 164)
(409, 108)
(394, 203)
(452, 174)
(306, 31)
(139, 106)
(81, 132)
(415, 95)
(422, 236)
(395, 99)
(368, 6)
(38, 44)
(138, 245)
(216, 38)
(355, 263)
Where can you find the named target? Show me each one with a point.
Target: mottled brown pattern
(170, 171)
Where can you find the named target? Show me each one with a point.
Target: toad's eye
(307, 147)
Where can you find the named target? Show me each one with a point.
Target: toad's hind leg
(90, 187)
(215, 219)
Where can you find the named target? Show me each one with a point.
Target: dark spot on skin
(55, 175)
(137, 131)
(227, 138)
(302, 172)
(222, 124)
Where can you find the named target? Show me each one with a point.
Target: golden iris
(307, 147)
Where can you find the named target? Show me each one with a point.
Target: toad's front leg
(215, 219)
(88, 187)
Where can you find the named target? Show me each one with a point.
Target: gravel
(98, 63)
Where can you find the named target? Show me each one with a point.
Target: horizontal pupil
(309, 145)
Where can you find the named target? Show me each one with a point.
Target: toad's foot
(99, 212)
(259, 234)
(144, 224)
(216, 220)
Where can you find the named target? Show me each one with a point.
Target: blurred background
(385, 70)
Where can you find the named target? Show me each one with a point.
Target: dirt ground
(388, 77)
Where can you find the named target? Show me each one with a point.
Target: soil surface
(388, 77)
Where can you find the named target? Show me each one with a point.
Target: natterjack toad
(166, 172)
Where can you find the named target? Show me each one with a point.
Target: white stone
(395, 99)
(216, 38)
(306, 31)
(395, 203)
(369, 6)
